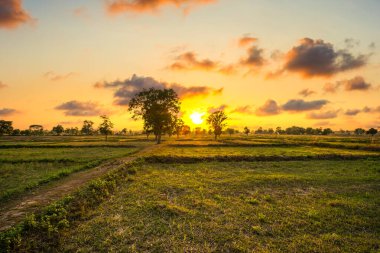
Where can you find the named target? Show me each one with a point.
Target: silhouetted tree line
(159, 109)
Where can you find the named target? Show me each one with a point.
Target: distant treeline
(6, 128)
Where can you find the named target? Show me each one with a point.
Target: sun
(196, 117)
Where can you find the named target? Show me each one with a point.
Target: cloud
(243, 110)
(371, 109)
(317, 58)
(247, 40)
(76, 108)
(354, 84)
(125, 90)
(140, 6)
(255, 57)
(330, 87)
(269, 108)
(81, 12)
(3, 85)
(306, 92)
(12, 14)
(323, 115)
(7, 112)
(189, 61)
(352, 112)
(57, 77)
(296, 105)
(357, 83)
(216, 109)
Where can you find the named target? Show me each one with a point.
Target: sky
(265, 63)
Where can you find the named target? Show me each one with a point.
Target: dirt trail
(13, 212)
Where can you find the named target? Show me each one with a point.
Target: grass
(26, 168)
(206, 205)
(204, 151)
(326, 206)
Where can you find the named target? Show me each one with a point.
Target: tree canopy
(216, 120)
(158, 108)
(106, 126)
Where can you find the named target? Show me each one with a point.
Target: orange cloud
(189, 61)
(12, 14)
(121, 6)
(3, 85)
(243, 110)
(247, 40)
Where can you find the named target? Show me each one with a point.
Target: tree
(259, 130)
(372, 131)
(186, 130)
(359, 131)
(216, 120)
(124, 131)
(327, 131)
(179, 124)
(230, 131)
(87, 127)
(36, 129)
(16, 132)
(5, 127)
(58, 129)
(106, 126)
(246, 130)
(158, 108)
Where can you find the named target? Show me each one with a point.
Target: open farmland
(261, 193)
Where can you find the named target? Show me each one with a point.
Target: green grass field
(327, 206)
(22, 169)
(313, 205)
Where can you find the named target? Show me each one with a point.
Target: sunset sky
(264, 62)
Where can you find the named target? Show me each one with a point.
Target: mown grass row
(10, 146)
(40, 232)
(247, 158)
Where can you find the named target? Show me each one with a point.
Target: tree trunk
(106, 137)
(159, 139)
(216, 137)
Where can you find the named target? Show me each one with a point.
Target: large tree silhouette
(158, 108)
(216, 120)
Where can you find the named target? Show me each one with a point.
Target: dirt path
(13, 212)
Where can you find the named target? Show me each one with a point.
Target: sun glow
(196, 117)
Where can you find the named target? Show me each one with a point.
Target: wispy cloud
(77, 108)
(323, 115)
(141, 6)
(52, 76)
(306, 92)
(7, 112)
(3, 85)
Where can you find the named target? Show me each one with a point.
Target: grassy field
(313, 205)
(326, 206)
(257, 151)
(27, 167)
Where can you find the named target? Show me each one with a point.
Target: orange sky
(266, 63)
